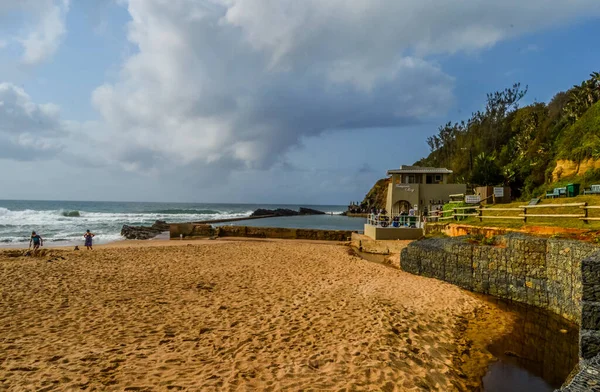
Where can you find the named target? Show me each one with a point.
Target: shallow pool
(538, 355)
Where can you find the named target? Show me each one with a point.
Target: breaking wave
(178, 211)
(68, 225)
(63, 223)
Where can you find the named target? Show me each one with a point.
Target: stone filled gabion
(559, 275)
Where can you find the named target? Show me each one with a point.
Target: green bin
(572, 190)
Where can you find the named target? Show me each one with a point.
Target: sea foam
(67, 226)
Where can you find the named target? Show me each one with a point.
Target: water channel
(537, 355)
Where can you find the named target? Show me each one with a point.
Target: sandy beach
(232, 315)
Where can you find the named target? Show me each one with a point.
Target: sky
(259, 101)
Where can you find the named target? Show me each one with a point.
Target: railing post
(524, 214)
(480, 213)
(585, 209)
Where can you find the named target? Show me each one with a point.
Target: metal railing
(396, 222)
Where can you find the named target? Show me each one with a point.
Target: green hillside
(520, 146)
(567, 222)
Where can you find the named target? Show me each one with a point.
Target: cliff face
(566, 168)
(377, 196)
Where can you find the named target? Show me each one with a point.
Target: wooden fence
(581, 212)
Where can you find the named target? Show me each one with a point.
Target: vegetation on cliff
(377, 196)
(519, 146)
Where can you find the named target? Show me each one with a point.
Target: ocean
(64, 222)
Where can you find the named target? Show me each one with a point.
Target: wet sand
(233, 315)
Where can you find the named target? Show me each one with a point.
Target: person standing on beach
(36, 240)
(88, 239)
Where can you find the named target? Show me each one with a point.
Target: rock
(262, 212)
(277, 212)
(309, 211)
(286, 212)
(161, 225)
(144, 232)
(138, 232)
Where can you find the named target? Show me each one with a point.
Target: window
(413, 178)
(433, 179)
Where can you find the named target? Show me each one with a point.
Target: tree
(486, 171)
(581, 141)
(519, 145)
(583, 96)
(595, 81)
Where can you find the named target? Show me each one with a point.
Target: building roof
(405, 169)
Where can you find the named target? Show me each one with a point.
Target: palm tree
(486, 171)
(581, 98)
(573, 108)
(595, 82)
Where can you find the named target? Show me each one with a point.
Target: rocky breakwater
(309, 211)
(278, 212)
(261, 212)
(144, 232)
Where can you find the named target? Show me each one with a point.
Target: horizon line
(173, 202)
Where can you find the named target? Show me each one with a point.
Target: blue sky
(255, 101)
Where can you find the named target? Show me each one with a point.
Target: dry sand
(231, 315)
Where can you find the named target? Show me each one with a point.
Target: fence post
(585, 209)
(454, 214)
(524, 214)
(480, 213)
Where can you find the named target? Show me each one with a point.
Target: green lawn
(591, 200)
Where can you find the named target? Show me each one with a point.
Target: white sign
(407, 188)
(472, 199)
(499, 191)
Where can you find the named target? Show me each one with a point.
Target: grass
(590, 177)
(591, 200)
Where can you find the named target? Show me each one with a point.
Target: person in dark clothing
(36, 240)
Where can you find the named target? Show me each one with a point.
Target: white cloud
(28, 131)
(236, 83)
(43, 27)
(287, 29)
(197, 92)
(223, 84)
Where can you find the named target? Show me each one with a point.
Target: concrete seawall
(225, 220)
(559, 275)
(368, 245)
(191, 231)
(357, 215)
